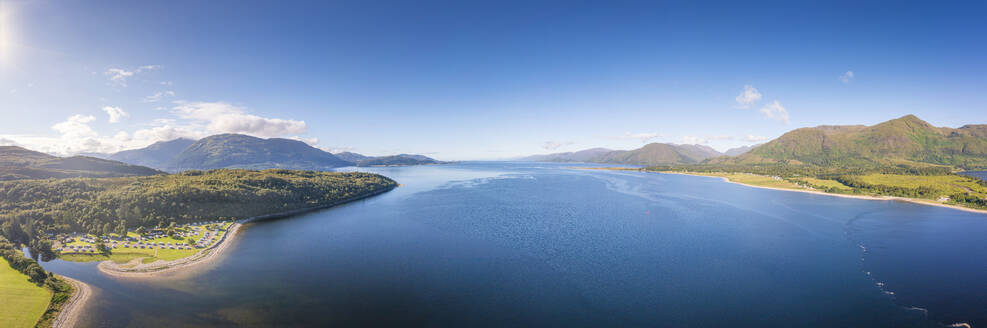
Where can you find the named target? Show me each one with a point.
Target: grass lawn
(827, 183)
(124, 255)
(948, 184)
(21, 302)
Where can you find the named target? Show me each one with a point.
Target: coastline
(867, 197)
(210, 254)
(69, 315)
(160, 267)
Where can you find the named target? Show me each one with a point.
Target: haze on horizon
(457, 80)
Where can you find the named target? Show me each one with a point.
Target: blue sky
(479, 79)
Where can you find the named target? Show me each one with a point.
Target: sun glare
(6, 34)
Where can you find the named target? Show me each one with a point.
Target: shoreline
(157, 268)
(213, 252)
(69, 315)
(865, 197)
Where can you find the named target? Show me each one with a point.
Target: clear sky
(480, 79)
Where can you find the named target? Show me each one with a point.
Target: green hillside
(906, 140)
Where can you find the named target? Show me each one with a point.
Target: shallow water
(525, 244)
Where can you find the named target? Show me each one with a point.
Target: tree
(121, 229)
(101, 247)
(107, 228)
(141, 231)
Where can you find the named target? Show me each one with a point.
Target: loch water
(499, 244)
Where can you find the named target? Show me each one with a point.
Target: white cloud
(748, 97)
(157, 96)
(310, 141)
(221, 117)
(553, 145)
(8, 142)
(846, 77)
(120, 75)
(337, 150)
(775, 111)
(115, 113)
(187, 120)
(753, 138)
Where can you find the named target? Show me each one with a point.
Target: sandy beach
(69, 316)
(867, 197)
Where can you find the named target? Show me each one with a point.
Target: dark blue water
(979, 174)
(521, 244)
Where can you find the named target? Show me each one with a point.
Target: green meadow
(21, 302)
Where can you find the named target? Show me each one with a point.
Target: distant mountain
(660, 154)
(242, 151)
(739, 150)
(650, 154)
(906, 140)
(352, 157)
(19, 163)
(586, 155)
(398, 160)
(157, 155)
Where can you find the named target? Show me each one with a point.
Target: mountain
(660, 154)
(18, 163)
(650, 154)
(398, 160)
(585, 155)
(739, 150)
(157, 155)
(352, 157)
(905, 140)
(242, 151)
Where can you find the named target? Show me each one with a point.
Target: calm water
(521, 244)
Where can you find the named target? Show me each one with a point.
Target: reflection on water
(526, 244)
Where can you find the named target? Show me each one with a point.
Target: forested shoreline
(33, 210)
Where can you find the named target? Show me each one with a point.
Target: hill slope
(157, 155)
(905, 140)
(242, 151)
(18, 163)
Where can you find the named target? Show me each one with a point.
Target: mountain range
(650, 154)
(907, 140)
(243, 151)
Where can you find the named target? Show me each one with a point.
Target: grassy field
(827, 183)
(124, 255)
(948, 184)
(754, 180)
(21, 302)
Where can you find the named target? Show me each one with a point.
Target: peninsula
(139, 226)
